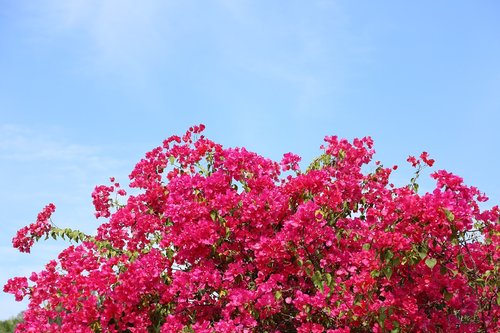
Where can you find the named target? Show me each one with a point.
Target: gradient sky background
(88, 86)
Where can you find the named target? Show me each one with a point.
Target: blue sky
(88, 86)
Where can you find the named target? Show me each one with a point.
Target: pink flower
(414, 162)
(290, 162)
(425, 157)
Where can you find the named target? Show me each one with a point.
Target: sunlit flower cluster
(26, 237)
(220, 240)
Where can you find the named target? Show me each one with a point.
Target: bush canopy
(224, 240)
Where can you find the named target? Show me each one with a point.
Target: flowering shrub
(224, 240)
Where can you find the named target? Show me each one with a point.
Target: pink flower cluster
(17, 286)
(218, 240)
(424, 157)
(101, 198)
(26, 236)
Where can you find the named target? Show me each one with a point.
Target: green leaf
(317, 280)
(431, 262)
(449, 215)
(329, 279)
(341, 154)
(171, 160)
(388, 272)
(395, 261)
(447, 295)
(382, 316)
(388, 255)
(423, 253)
(277, 295)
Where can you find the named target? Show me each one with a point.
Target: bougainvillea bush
(224, 240)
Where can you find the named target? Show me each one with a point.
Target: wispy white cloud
(132, 40)
(21, 144)
(311, 50)
(123, 38)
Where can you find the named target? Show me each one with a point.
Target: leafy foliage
(8, 326)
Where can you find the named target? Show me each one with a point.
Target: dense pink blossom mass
(224, 240)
